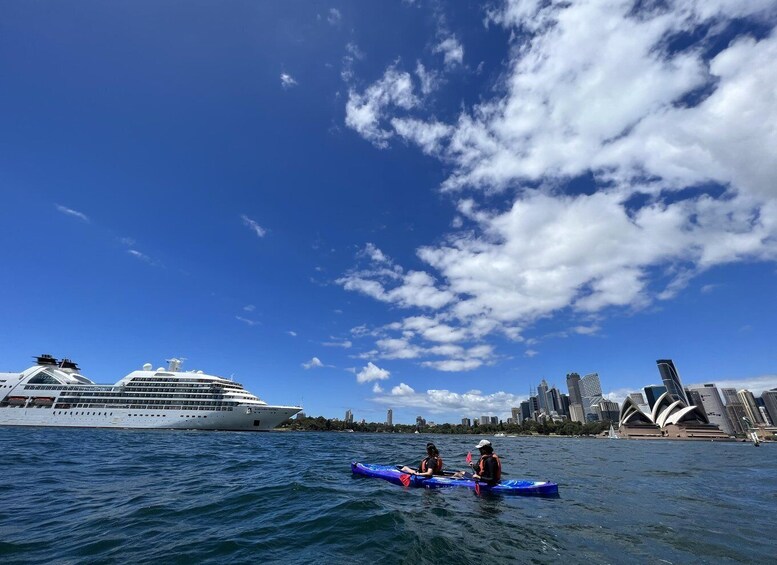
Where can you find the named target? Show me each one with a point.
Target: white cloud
(344, 343)
(757, 384)
(452, 50)
(253, 226)
(246, 321)
(402, 390)
(287, 81)
(352, 54)
(430, 80)
(292, 333)
(649, 127)
(141, 256)
(363, 112)
(372, 373)
(334, 17)
(376, 388)
(472, 403)
(314, 363)
(531, 353)
(249, 308)
(71, 212)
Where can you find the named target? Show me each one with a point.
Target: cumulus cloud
(287, 81)
(471, 403)
(314, 363)
(757, 384)
(452, 50)
(372, 373)
(334, 17)
(669, 129)
(71, 212)
(364, 111)
(253, 226)
(376, 388)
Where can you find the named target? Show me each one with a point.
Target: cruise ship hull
(258, 420)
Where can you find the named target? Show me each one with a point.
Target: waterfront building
(389, 417)
(575, 397)
(765, 415)
(591, 390)
(671, 380)
(348, 417)
(606, 410)
(484, 420)
(737, 415)
(466, 423)
(534, 406)
(652, 393)
(669, 418)
(515, 412)
(769, 398)
(708, 397)
(747, 399)
(554, 396)
(564, 404)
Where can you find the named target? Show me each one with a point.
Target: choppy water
(109, 496)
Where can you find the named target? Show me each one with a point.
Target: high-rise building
(466, 423)
(671, 380)
(526, 411)
(747, 399)
(494, 420)
(564, 404)
(573, 386)
(709, 400)
(554, 397)
(606, 410)
(736, 415)
(770, 402)
(348, 417)
(515, 412)
(637, 397)
(576, 413)
(730, 396)
(389, 417)
(419, 421)
(485, 420)
(591, 389)
(653, 393)
(542, 397)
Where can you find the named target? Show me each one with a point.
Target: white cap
(483, 443)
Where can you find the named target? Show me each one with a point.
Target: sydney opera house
(670, 415)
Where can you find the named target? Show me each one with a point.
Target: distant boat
(499, 434)
(611, 434)
(754, 437)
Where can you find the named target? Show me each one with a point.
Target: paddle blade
(405, 480)
(469, 457)
(477, 488)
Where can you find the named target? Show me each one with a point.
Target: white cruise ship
(54, 393)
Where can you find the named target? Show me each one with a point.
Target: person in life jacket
(489, 468)
(430, 465)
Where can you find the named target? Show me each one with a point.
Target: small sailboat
(611, 434)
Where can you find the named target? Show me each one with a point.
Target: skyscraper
(515, 412)
(709, 399)
(770, 402)
(348, 417)
(729, 396)
(751, 407)
(466, 423)
(671, 379)
(653, 393)
(542, 397)
(591, 389)
(389, 417)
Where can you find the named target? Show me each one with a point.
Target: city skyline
(343, 216)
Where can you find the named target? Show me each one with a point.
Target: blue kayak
(393, 475)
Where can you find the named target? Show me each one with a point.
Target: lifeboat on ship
(42, 401)
(17, 400)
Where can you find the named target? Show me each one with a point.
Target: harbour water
(113, 496)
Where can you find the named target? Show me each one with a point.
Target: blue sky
(421, 205)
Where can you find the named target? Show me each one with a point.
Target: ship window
(43, 378)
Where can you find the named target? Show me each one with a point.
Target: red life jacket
(425, 465)
(482, 466)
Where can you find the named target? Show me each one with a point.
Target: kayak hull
(393, 475)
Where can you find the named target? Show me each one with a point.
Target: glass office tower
(671, 379)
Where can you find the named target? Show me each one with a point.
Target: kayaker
(430, 465)
(489, 468)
